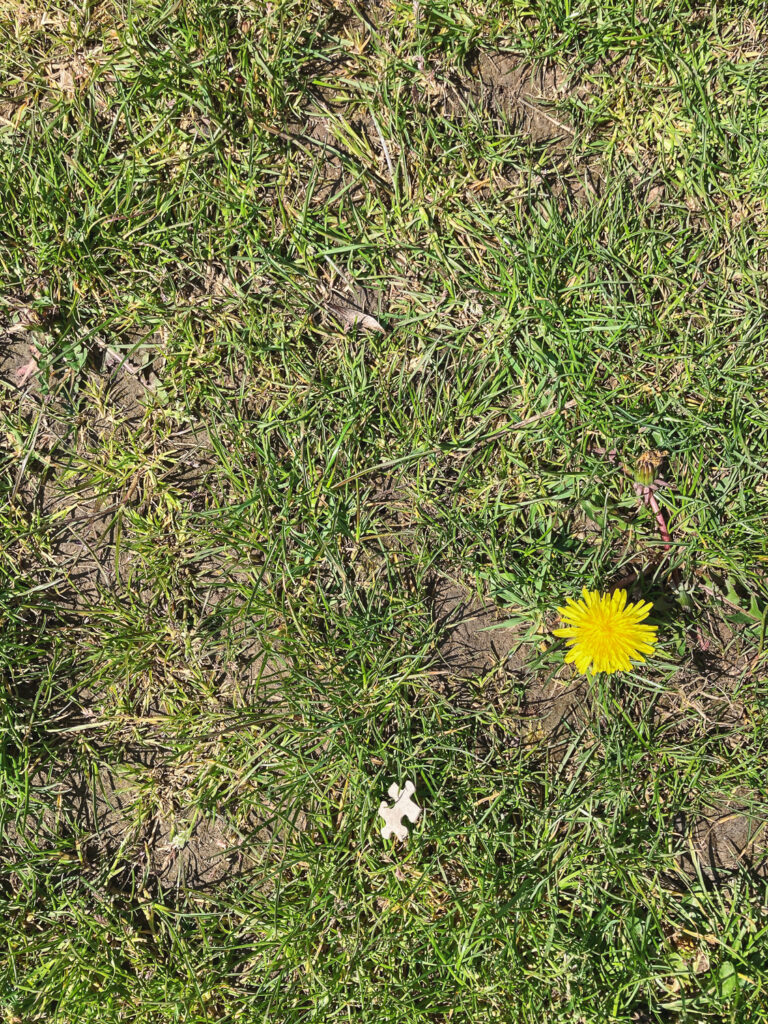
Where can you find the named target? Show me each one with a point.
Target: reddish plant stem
(661, 521)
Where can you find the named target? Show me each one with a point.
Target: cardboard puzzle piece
(403, 807)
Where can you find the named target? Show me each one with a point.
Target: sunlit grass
(226, 522)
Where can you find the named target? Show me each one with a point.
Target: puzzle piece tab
(403, 807)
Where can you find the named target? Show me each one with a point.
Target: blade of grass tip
(520, 425)
(25, 460)
(385, 149)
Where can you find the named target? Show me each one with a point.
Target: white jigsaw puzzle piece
(403, 807)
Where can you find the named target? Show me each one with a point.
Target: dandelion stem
(660, 520)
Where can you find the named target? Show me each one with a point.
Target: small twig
(543, 113)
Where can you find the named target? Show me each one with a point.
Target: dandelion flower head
(604, 633)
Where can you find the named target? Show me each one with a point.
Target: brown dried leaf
(67, 83)
(351, 318)
(27, 318)
(701, 962)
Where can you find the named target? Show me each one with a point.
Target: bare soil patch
(479, 662)
(525, 95)
(61, 480)
(104, 812)
(728, 837)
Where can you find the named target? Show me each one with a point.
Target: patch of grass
(227, 521)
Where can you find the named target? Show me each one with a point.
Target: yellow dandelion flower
(604, 632)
